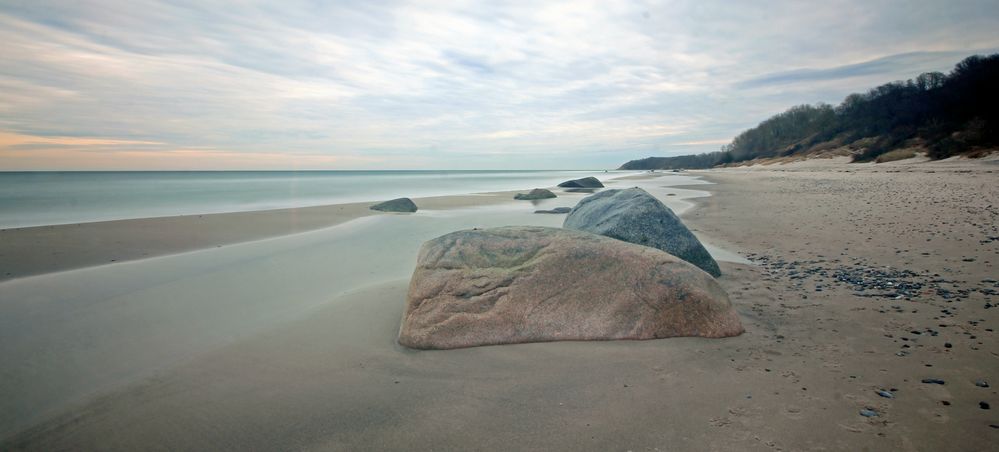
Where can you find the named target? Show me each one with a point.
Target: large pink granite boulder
(534, 284)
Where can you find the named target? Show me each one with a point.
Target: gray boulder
(586, 182)
(534, 284)
(635, 216)
(537, 193)
(395, 205)
(555, 210)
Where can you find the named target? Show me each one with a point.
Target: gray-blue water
(47, 198)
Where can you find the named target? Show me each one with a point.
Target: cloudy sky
(146, 84)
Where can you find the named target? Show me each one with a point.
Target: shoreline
(39, 250)
(864, 279)
(112, 324)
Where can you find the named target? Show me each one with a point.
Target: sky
(309, 84)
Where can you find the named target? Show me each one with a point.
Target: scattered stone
(534, 284)
(868, 413)
(555, 210)
(981, 383)
(885, 394)
(586, 182)
(983, 405)
(933, 381)
(537, 193)
(635, 216)
(396, 205)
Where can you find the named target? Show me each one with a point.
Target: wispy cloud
(904, 65)
(424, 84)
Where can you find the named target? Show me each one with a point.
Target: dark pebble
(885, 394)
(982, 384)
(868, 413)
(933, 381)
(983, 405)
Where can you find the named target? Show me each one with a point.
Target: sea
(51, 198)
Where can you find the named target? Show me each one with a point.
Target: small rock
(396, 205)
(868, 413)
(537, 193)
(885, 394)
(555, 210)
(983, 405)
(933, 381)
(586, 182)
(982, 383)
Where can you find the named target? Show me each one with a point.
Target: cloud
(476, 84)
(8, 140)
(906, 63)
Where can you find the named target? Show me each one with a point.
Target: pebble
(868, 413)
(983, 405)
(885, 394)
(982, 384)
(934, 381)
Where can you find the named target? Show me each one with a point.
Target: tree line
(946, 114)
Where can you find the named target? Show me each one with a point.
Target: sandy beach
(276, 330)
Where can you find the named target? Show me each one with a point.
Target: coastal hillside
(939, 114)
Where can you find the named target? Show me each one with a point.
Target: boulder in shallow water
(635, 216)
(586, 182)
(555, 210)
(537, 193)
(396, 205)
(534, 284)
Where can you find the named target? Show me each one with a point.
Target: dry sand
(796, 380)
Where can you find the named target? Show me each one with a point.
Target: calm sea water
(47, 198)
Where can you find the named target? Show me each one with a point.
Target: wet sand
(817, 347)
(45, 249)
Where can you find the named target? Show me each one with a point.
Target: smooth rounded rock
(535, 284)
(537, 193)
(557, 210)
(395, 205)
(586, 182)
(635, 216)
